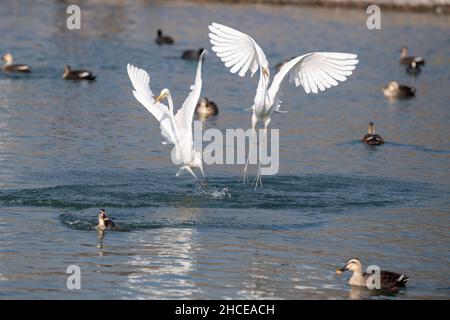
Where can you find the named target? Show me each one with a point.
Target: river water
(68, 149)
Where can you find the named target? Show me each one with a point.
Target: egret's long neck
(170, 101)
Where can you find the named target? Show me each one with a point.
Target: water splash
(218, 194)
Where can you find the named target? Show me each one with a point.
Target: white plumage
(175, 129)
(315, 72)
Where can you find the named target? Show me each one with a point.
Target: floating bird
(10, 67)
(315, 71)
(161, 39)
(413, 69)
(371, 138)
(394, 90)
(388, 280)
(104, 222)
(405, 59)
(192, 54)
(175, 129)
(206, 108)
(70, 74)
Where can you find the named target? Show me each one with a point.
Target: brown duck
(206, 108)
(396, 90)
(371, 138)
(104, 222)
(407, 60)
(70, 74)
(10, 67)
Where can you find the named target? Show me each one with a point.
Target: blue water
(68, 149)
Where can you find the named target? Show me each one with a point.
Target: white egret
(175, 129)
(315, 71)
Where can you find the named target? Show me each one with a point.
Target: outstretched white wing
(142, 92)
(237, 50)
(185, 114)
(315, 71)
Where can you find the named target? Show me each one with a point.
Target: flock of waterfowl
(68, 73)
(389, 282)
(315, 72)
(205, 108)
(393, 90)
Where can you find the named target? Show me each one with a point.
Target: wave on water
(318, 192)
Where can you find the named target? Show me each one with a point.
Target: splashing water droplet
(218, 194)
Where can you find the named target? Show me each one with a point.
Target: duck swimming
(70, 74)
(161, 39)
(405, 59)
(388, 280)
(371, 138)
(10, 67)
(413, 68)
(206, 108)
(395, 90)
(192, 54)
(104, 222)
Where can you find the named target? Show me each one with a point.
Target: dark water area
(68, 149)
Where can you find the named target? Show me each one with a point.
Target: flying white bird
(175, 129)
(315, 71)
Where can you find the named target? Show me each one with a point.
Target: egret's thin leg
(244, 176)
(258, 179)
(202, 184)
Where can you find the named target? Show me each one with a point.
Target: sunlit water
(68, 149)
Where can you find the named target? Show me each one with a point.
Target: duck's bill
(340, 270)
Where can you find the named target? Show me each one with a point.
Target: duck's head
(8, 58)
(102, 215)
(392, 86)
(352, 265)
(67, 70)
(371, 129)
(206, 108)
(162, 95)
(404, 52)
(159, 32)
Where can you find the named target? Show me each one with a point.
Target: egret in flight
(315, 71)
(175, 129)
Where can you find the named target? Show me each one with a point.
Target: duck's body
(395, 90)
(405, 59)
(371, 138)
(162, 39)
(104, 222)
(206, 108)
(70, 74)
(388, 279)
(413, 69)
(8, 66)
(192, 54)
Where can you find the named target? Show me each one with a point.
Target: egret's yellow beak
(160, 97)
(265, 72)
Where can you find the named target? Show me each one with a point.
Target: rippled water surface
(68, 149)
